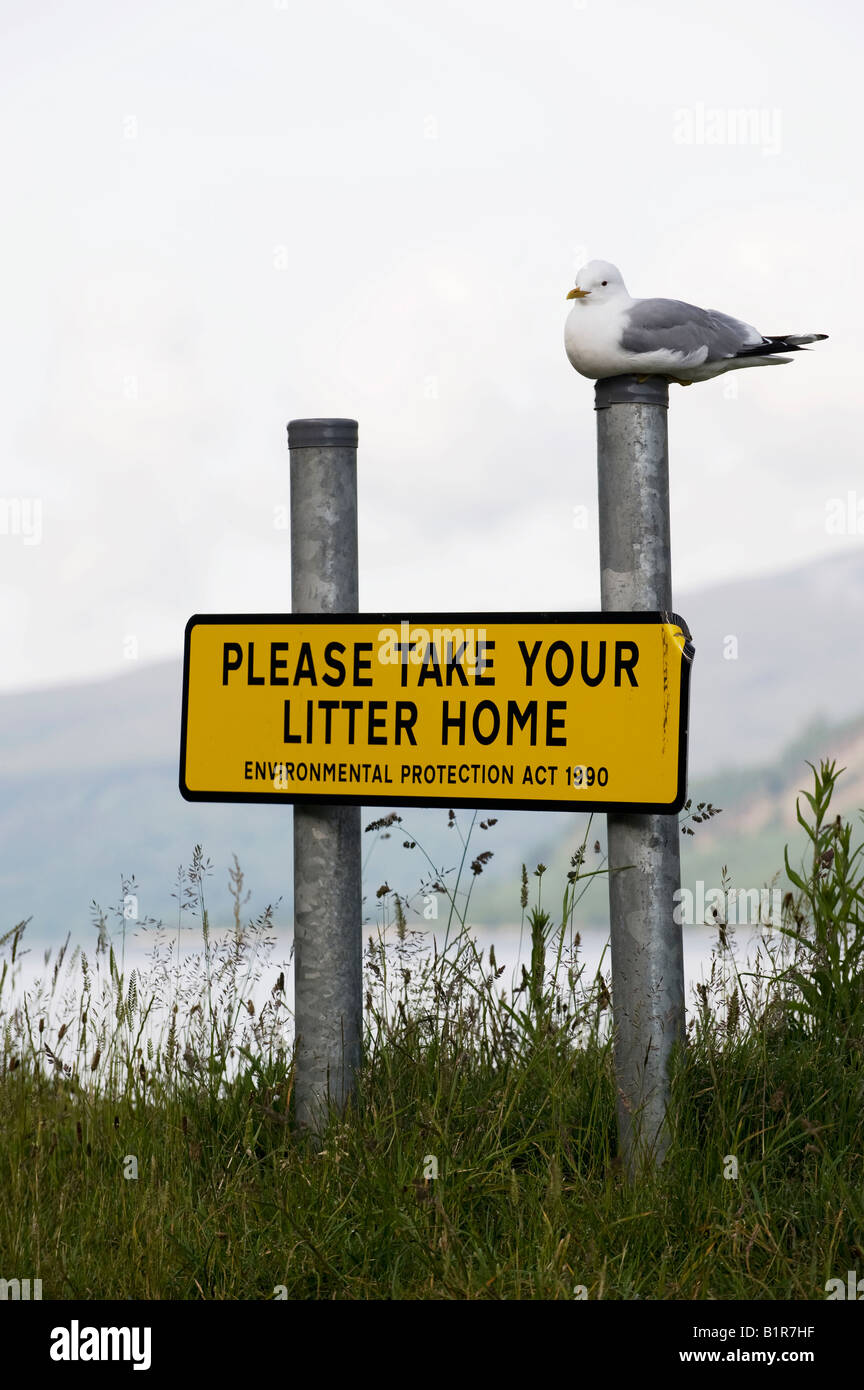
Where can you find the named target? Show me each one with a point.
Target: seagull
(608, 333)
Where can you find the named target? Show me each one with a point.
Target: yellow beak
(578, 294)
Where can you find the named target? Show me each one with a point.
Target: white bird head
(599, 279)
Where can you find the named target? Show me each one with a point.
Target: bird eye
(604, 282)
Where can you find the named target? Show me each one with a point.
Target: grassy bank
(507, 1092)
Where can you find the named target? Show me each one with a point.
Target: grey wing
(700, 335)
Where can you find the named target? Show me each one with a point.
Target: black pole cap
(322, 434)
(629, 390)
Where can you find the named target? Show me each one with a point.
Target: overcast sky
(221, 215)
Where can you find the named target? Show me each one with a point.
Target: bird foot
(640, 379)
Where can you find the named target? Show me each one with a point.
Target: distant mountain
(773, 654)
(757, 821)
(88, 773)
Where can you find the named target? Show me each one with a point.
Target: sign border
(448, 619)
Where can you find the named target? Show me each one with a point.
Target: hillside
(88, 773)
(758, 820)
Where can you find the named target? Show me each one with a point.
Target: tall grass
(478, 1158)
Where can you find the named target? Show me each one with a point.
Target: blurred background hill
(88, 773)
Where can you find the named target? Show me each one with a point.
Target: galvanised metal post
(644, 850)
(328, 968)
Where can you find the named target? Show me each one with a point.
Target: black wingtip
(784, 342)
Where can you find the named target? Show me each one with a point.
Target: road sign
(543, 711)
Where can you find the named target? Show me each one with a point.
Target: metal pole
(644, 851)
(328, 968)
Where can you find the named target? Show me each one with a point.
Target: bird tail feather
(784, 342)
(796, 339)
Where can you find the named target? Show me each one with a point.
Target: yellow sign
(539, 710)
